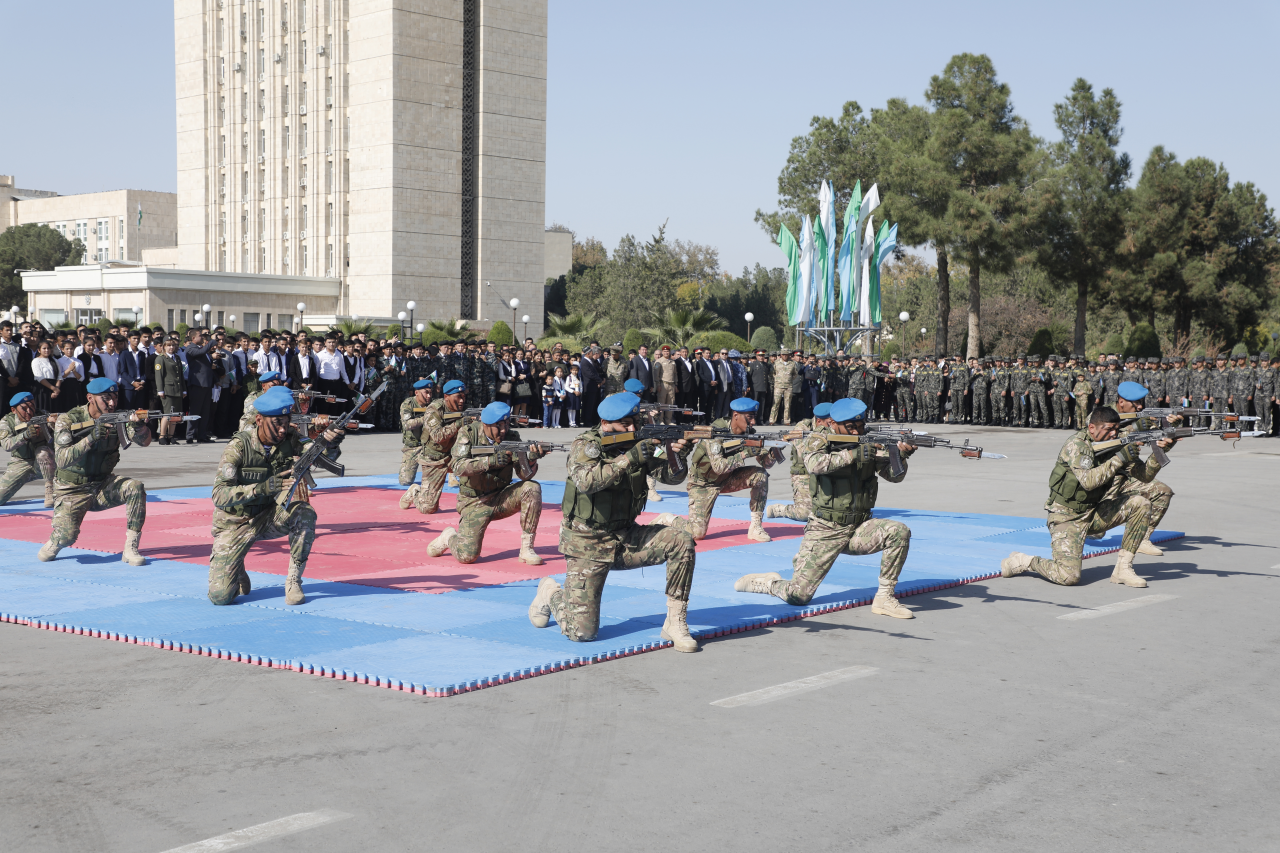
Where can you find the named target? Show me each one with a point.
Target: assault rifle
(316, 452)
(519, 449)
(888, 440)
(1151, 437)
(41, 422)
(656, 408)
(449, 417)
(307, 421)
(1186, 412)
(119, 419)
(669, 434)
(316, 395)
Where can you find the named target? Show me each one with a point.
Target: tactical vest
(1065, 489)
(27, 449)
(96, 465)
(700, 463)
(797, 464)
(613, 509)
(256, 467)
(434, 450)
(411, 437)
(493, 480)
(846, 495)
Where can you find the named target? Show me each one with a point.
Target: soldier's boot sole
(1015, 564)
(1150, 549)
(47, 552)
(887, 605)
(540, 608)
(442, 542)
(407, 499)
(758, 582)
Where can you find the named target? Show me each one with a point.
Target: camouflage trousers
(433, 477)
(1157, 493)
(476, 513)
(929, 406)
(1039, 414)
(666, 397)
(824, 541)
(22, 471)
(410, 458)
(906, 405)
(981, 407)
(73, 502)
(233, 536)
(998, 413)
(1061, 409)
(1082, 412)
(1068, 530)
(802, 501)
(576, 607)
(702, 499)
(1021, 409)
(781, 402)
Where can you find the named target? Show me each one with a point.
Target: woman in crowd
(48, 387)
(506, 378)
(523, 388)
(71, 372)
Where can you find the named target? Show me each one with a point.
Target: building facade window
(251, 323)
(303, 141)
(304, 258)
(169, 324)
(286, 140)
(328, 268)
(262, 259)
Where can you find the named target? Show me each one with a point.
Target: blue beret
(20, 398)
(423, 383)
(269, 376)
(848, 409)
(1131, 391)
(744, 404)
(453, 386)
(492, 413)
(615, 407)
(822, 410)
(635, 386)
(274, 402)
(101, 385)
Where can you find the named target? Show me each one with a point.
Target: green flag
(873, 294)
(792, 250)
(139, 214)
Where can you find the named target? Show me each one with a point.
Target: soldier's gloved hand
(101, 431)
(500, 460)
(1128, 453)
(640, 453)
(274, 485)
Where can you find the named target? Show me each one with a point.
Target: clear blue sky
(683, 111)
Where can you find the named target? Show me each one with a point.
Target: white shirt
(9, 356)
(63, 361)
(43, 368)
(332, 365)
(304, 366)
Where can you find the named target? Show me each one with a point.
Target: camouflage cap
(1151, 359)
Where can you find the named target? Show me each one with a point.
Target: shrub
(1143, 342)
(721, 340)
(1041, 343)
(764, 338)
(632, 340)
(501, 335)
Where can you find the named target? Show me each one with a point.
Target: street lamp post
(411, 305)
(514, 303)
(206, 308)
(232, 320)
(302, 313)
(525, 319)
(749, 317)
(418, 328)
(402, 317)
(137, 316)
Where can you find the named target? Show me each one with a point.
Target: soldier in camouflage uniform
(256, 468)
(1220, 385)
(801, 500)
(1265, 400)
(784, 373)
(1038, 414)
(266, 382)
(1241, 383)
(1198, 384)
(1087, 497)
(1081, 388)
(1153, 380)
(979, 389)
(1132, 370)
(1000, 392)
(1019, 383)
(30, 456)
(1058, 381)
(489, 374)
(1177, 387)
(437, 436)
(615, 371)
(411, 423)
(717, 467)
(603, 497)
(485, 490)
(86, 457)
(1133, 398)
(959, 390)
(926, 399)
(1110, 382)
(844, 487)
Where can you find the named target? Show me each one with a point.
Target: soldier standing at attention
(266, 382)
(30, 456)
(1265, 399)
(437, 437)
(1132, 370)
(784, 372)
(1220, 385)
(959, 391)
(1176, 388)
(717, 467)
(256, 468)
(1060, 380)
(1081, 388)
(1036, 381)
(615, 371)
(1000, 392)
(843, 482)
(1155, 383)
(1241, 384)
(86, 458)
(665, 382)
(801, 501)
(1087, 497)
(485, 490)
(1198, 384)
(1019, 380)
(1110, 382)
(604, 494)
(979, 382)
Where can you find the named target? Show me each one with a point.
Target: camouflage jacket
(250, 475)
(1219, 383)
(481, 476)
(1111, 383)
(76, 451)
(710, 465)
(16, 439)
(1176, 386)
(439, 436)
(784, 376)
(1093, 473)
(615, 374)
(411, 422)
(1243, 383)
(819, 457)
(249, 415)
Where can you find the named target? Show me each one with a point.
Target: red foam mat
(362, 537)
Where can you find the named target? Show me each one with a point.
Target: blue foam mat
(440, 644)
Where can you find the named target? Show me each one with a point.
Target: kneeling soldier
(485, 490)
(411, 423)
(1132, 397)
(843, 484)
(249, 416)
(604, 494)
(713, 470)
(30, 456)
(255, 468)
(86, 454)
(437, 437)
(1088, 495)
(801, 501)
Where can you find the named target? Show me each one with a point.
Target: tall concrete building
(396, 145)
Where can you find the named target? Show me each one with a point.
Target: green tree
(680, 326)
(350, 328)
(580, 328)
(1041, 343)
(632, 340)
(452, 329)
(720, 340)
(988, 152)
(32, 247)
(760, 292)
(1081, 204)
(501, 334)
(764, 338)
(1143, 342)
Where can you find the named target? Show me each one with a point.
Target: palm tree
(457, 330)
(351, 328)
(680, 325)
(582, 328)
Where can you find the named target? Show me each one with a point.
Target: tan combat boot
(293, 585)
(756, 531)
(1124, 572)
(48, 551)
(1149, 548)
(676, 628)
(540, 609)
(442, 542)
(760, 582)
(773, 511)
(410, 495)
(527, 554)
(48, 494)
(131, 555)
(664, 520)
(653, 492)
(884, 604)
(1015, 564)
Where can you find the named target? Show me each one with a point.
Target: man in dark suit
(724, 384)
(200, 379)
(686, 384)
(132, 379)
(708, 384)
(758, 378)
(302, 366)
(642, 369)
(591, 372)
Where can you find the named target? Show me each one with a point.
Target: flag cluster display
(813, 262)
